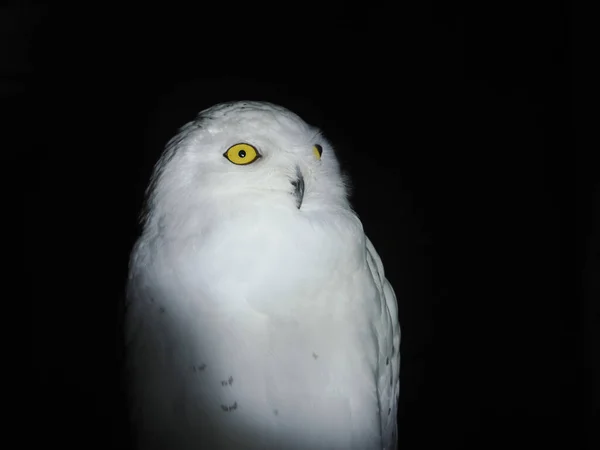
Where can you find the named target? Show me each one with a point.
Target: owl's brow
(316, 136)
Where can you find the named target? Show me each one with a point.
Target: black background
(452, 121)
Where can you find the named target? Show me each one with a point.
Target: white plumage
(258, 313)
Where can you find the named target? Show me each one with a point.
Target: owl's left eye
(242, 154)
(318, 151)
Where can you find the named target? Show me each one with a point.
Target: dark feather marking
(201, 367)
(230, 407)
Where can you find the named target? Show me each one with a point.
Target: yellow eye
(318, 151)
(241, 154)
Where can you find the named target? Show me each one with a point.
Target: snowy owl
(258, 313)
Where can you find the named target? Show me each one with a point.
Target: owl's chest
(269, 259)
(271, 323)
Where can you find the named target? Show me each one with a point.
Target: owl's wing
(388, 330)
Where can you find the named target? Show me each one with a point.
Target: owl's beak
(298, 184)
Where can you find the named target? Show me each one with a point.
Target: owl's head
(246, 155)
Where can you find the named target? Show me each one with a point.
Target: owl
(258, 313)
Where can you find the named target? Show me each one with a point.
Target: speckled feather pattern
(252, 323)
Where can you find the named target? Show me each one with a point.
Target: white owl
(258, 313)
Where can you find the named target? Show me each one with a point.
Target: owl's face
(248, 155)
